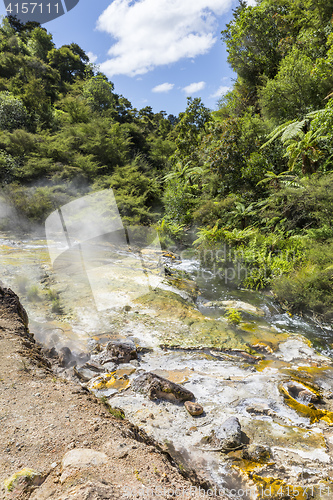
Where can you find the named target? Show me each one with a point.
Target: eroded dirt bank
(69, 444)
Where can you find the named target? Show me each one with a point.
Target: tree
(252, 39)
(322, 71)
(40, 43)
(190, 128)
(13, 114)
(70, 60)
(301, 143)
(293, 92)
(98, 93)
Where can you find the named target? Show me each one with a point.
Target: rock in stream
(156, 387)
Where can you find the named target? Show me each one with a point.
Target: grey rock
(156, 387)
(65, 356)
(88, 371)
(117, 352)
(228, 435)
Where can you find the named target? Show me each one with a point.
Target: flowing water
(232, 370)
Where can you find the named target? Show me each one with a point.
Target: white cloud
(164, 87)
(220, 92)
(92, 57)
(194, 87)
(252, 3)
(151, 33)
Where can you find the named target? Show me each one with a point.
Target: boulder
(238, 305)
(228, 436)
(156, 387)
(84, 457)
(23, 480)
(92, 490)
(117, 352)
(301, 393)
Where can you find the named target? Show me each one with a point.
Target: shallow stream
(233, 370)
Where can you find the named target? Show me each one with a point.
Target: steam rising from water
(87, 240)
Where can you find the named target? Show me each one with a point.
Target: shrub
(33, 294)
(233, 316)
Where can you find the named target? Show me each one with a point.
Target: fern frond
(276, 132)
(295, 129)
(316, 113)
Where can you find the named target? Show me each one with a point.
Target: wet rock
(261, 347)
(117, 352)
(88, 371)
(228, 436)
(236, 304)
(156, 387)
(187, 286)
(194, 409)
(248, 357)
(298, 391)
(260, 410)
(257, 453)
(110, 383)
(84, 457)
(307, 396)
(65, 356)
(23, 480)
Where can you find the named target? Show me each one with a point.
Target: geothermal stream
(265, 371)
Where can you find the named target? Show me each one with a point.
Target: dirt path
(55, 428)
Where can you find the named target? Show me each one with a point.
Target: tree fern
(277, 132)
(293, 131)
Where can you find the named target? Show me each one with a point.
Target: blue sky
(156, 52)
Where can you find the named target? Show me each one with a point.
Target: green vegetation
(233, 316)
(33, 293)
(251, 181)
(115, 412)
(64, 132)
(54, 298)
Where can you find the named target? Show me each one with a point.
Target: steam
(87, 240)
(96, 267)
